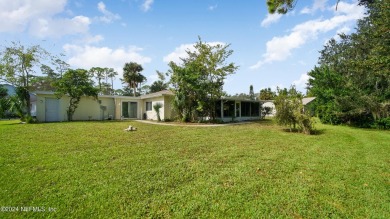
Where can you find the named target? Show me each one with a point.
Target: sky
(270, 50)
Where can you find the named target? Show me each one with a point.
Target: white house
(50, 109)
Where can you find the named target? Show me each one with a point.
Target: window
(250, 109)
(228, 109)
(245, 109)
(218, 109)
(148, 106)
(255, 109)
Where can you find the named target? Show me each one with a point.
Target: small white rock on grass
(130, 128)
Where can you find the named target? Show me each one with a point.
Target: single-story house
(50, 109)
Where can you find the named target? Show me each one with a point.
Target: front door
(51, 109)
(238, 108)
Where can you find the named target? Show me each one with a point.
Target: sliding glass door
(129, 110)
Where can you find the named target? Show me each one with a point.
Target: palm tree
(111, 73)
(132, 75)
(98, 72)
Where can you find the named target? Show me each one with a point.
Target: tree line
(352, 79)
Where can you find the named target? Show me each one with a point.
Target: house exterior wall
(272, 105)
(88, 108)
(110, 107)
(151, 114)
(168, 108)
(41, 107)
(119, 101)
(91, 109)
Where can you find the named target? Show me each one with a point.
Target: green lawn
(96, 170)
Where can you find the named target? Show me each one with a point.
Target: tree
(111, 73)
(352, 82)
(61, 66)
(241, 96)
(290, 111)
(160, 84)
(267, 94)
(132, 75)
(280, 6)
(4, 106)
(98, 73)
(44, 83)
(75, 84)
(283, 6)
(251, 93)
(17, 67)
(198, 82)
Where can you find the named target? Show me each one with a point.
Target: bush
(266, 111)
(383, 123)
(305, 123)
(29, 119)
(157, 106)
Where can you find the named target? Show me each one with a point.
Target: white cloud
(301, 82)
(59, 27)
(317, 5)
(90, 56)
(280, 48)
(16, 15)
(39, 17)
(271, 18)
(153, 77)
(147, 5)
(181, 52)
(108, 16)
(93, 39)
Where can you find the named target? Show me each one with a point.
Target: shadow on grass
(265, 122)
(315, 132)
(18, 122)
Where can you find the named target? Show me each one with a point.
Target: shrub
(305, 123)
(29, 119)
(383, 123)
(157, 106)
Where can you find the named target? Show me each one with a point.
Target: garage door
(51, 109)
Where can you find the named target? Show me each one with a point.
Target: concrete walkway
(192, 124)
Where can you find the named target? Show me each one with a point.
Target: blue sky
(271, 50)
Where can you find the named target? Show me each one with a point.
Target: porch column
(222, 109)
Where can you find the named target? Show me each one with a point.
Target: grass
(96, 170)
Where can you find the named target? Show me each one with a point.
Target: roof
(157, 94)
(307, 100)
(240, 99)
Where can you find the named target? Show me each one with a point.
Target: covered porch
(233, 109)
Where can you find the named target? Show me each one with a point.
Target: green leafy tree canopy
(75, 84)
